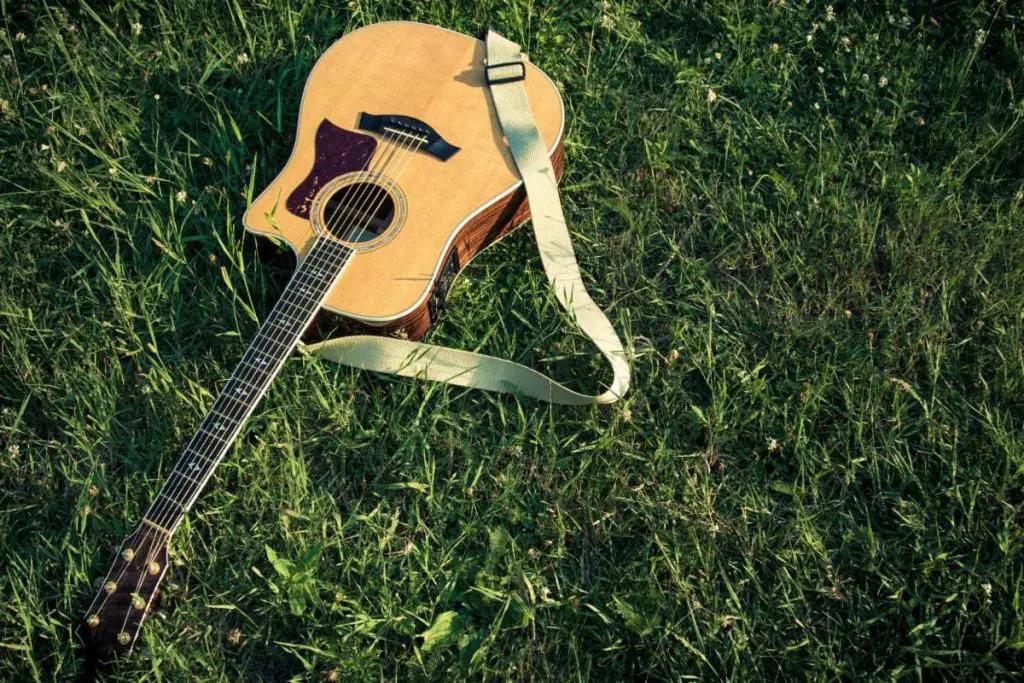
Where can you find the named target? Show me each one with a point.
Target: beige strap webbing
(468, 369)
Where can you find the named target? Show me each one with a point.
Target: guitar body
(445, 210)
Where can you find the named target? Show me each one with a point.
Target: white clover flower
(20, 36)
(112, 171)
(830, 13)
(61, 165)
(712, 96)
(181, 196)
(775, 47)
(44, 147)
(137, 28)
(242, 58)
(883, 82)
(845, 40)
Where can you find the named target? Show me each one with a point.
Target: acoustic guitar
(399, 175)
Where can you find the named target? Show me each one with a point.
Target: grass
(806, 223)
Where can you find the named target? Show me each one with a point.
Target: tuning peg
(93, 620)
(124, 638)
(127, 554)
(110, 586)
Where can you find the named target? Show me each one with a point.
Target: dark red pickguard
(336, 151)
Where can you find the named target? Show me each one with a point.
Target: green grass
(806, 224)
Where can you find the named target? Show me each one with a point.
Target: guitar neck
(274, 341)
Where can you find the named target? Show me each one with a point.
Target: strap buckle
(521, 76)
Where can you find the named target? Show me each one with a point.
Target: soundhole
(359, 212)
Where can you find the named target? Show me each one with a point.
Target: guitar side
(456, 207)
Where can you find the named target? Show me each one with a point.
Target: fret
(178, 473)
(255, 387)
(238, 389)
(190, 451)
(168, 497)
(272, 325)
(262, 340)
(310, 294)
(303, 311)
(221, 422)
(258, 369)
(219, 439)
(319, 272)
(243, 403)
(259, 358)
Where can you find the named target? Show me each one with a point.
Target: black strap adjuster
(521, 76)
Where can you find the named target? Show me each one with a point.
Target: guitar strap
(505, 70)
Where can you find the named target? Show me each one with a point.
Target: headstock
(114, 619)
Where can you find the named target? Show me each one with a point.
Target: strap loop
(521, 76)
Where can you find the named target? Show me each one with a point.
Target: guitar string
(366, 192)
(329, 246)
(161, 539)
(171, 496)
(163, 513)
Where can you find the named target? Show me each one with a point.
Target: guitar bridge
(410, 131)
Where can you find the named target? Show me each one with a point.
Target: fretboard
(274, 341)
